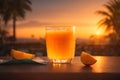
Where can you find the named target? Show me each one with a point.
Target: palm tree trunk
(14, 27)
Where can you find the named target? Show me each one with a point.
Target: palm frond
(105, 22)
(111, 16)
(103, 13)
(109, 8)
(27, 7)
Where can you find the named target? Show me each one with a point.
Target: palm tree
(15, 10)
(4, 15)
(3, 35)
(111, 17)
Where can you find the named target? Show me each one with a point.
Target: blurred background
(23, 22)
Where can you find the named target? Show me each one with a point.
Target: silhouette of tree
(3, 31)
(111, 19)
(14, 10)
(3, 35)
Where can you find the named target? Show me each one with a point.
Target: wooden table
(106, 68)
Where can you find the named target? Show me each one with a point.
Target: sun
(99, 32)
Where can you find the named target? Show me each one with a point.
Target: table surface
(106, 68)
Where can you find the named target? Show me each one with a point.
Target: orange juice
(60, 44)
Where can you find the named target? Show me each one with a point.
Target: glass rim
(60, 27)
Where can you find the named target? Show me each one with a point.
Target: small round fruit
(87, 59)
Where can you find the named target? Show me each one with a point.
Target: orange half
(21, 55)
(87, 59)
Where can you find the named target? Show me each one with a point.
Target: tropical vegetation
(111, 20)
(14, 10)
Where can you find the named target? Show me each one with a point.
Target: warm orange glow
(60, 44)
(85, 32)
(80, 13)
(32, 32)
(37, 32)
(59, 67)
(56, 66)
(101, 61)
(99, 32)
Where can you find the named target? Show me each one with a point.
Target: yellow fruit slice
(21, 55)
(87, 59)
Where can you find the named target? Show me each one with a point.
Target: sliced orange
(87, 59)
(21, 55)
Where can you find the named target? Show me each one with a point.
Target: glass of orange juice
(60, 43)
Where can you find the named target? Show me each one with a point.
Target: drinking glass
(60, 43)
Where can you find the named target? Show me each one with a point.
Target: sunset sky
(79, 13)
